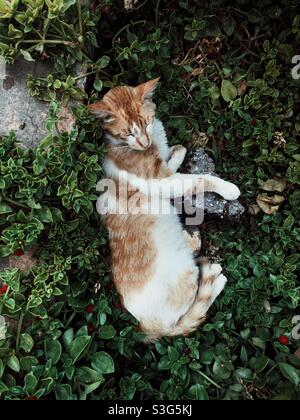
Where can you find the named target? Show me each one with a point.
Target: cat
(153, 266)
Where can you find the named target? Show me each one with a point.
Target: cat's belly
(174, 283)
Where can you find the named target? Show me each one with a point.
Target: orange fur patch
(125, 105)
(133, 253)
(146, 164)
(184, 291)
(192, 241)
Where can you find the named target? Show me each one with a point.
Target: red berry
(91, 329)
(90, 309)
(31, 398)
(284, 340)
(18, 253)
(253, 122)
(3, 289)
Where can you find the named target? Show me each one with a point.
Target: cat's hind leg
(212, 283)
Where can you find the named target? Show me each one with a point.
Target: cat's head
(127, 114)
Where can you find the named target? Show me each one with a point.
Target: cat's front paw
(178, 149)
(219, 285)
(230, 191)
(177, 156)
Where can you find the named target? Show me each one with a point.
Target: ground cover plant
(226, 71)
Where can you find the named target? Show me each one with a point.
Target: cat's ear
(146, 90)
(101, 111)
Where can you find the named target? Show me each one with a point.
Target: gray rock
(3, 265)
(20, 112)
(198, 162)
(24, 114)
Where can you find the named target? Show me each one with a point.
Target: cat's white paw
(178, 149)
(177, 155)
(219, 285)
(211, 270)
(215, 270)
(230, 191)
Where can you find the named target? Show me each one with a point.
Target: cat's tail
(212, 284)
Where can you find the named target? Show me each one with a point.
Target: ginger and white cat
(152, 259)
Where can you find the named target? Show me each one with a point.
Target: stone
(25, 262)
(26, 116)
(3, 265)
(199, 162)
(22, 113)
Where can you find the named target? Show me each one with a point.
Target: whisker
(121, 147)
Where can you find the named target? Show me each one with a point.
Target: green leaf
(261, 363)
(107, 332)
(160, 348)
(78, 346)
(26, 342)
(39, 311)
(288, 223)
(30, 382)
(228, 91)
(103, 363)
(229, 26)
(214, 92)
(290, 373)
(13, 363)
(198, 392)
(164, 363)
(10, 303)
(98, 84)
(4, 209)
(39, 164)
(244, 373)
(103, 62)
(173, 354)
(92, 387)
(28, 362)
(63, 393)
(53, 351)
(67, 4)
(221, 370)
(87, 375)
(26, 55)
(2, 368)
